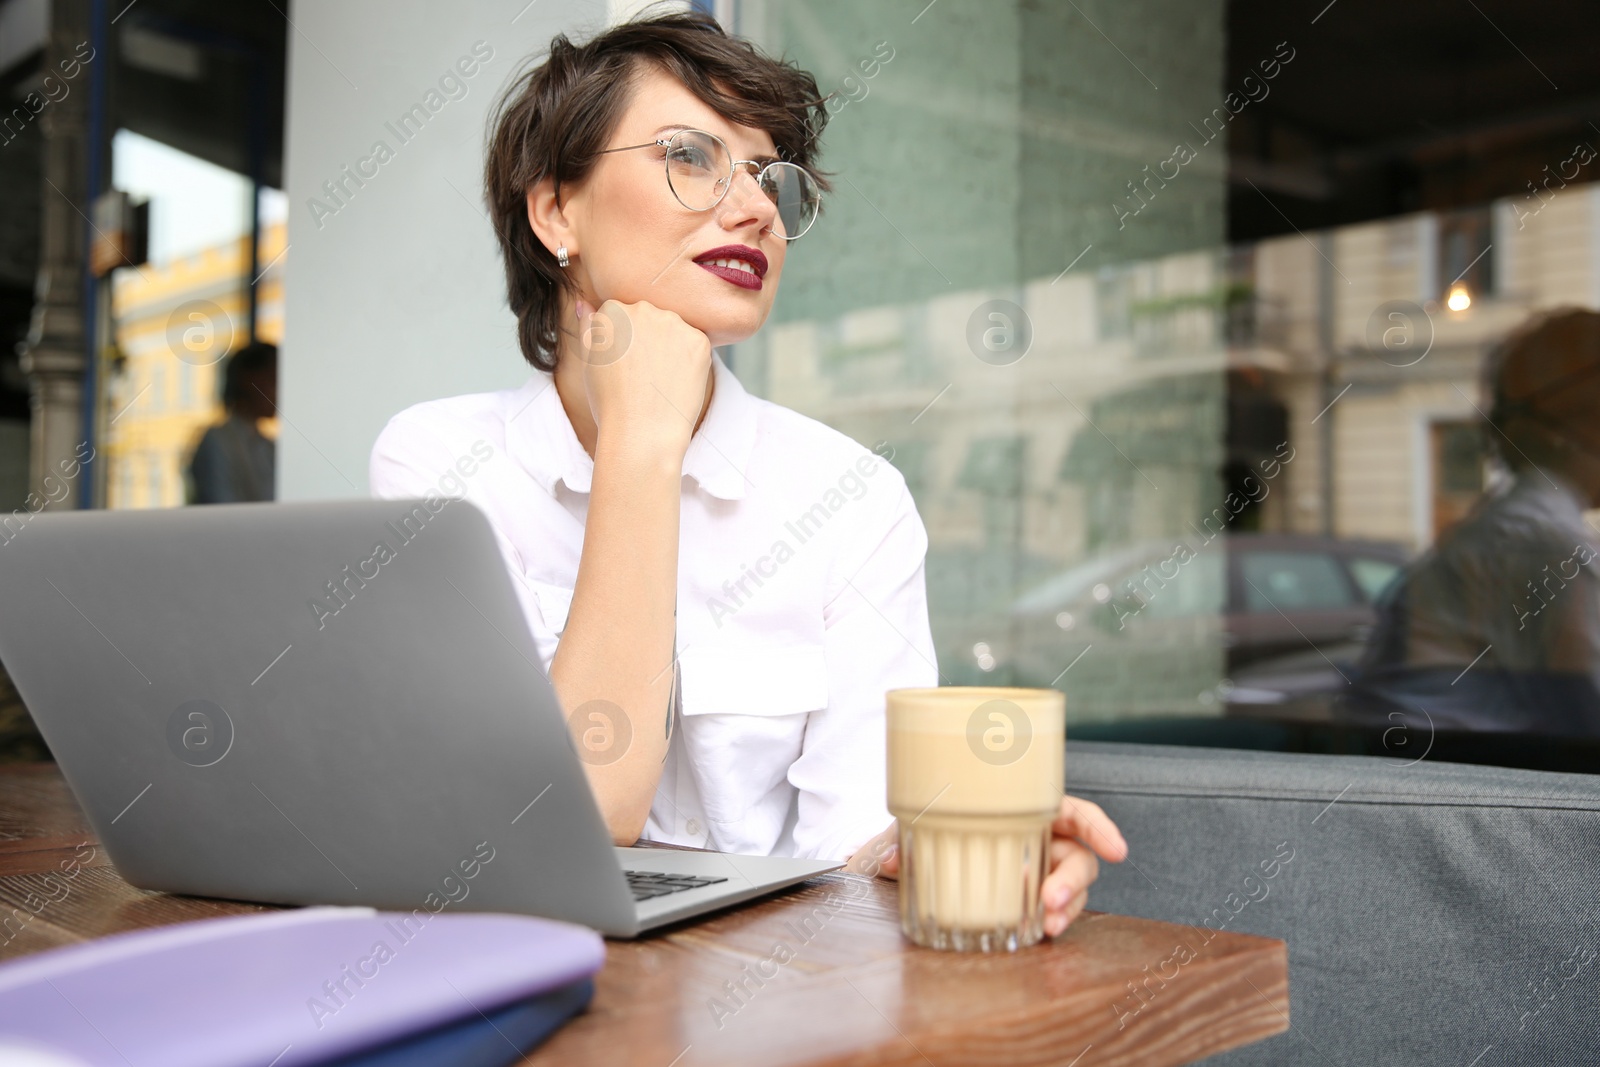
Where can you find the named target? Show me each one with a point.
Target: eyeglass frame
(734, 165)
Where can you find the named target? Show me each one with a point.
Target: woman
(734, 586)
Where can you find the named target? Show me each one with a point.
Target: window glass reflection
(1204, 391)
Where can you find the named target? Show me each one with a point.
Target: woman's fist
(645, 372)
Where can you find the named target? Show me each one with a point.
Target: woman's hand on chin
(1080, 833)
(645, 371)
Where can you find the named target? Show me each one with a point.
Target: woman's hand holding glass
(1081, 836)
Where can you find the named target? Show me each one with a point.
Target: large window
(1178, 317)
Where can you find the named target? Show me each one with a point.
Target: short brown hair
(555, 118)
(1543, 378)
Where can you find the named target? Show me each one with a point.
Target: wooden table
(846, 988)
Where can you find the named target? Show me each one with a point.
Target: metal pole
(53, 357)
(1324, 244)
(94, 185)
(256, 134)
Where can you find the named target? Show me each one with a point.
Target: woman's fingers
(1073, 869)
(879, 856)
(1058, 920)
(1073, 866)
(1083, 819)
(1062, 847)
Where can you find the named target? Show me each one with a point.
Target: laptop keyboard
(649, 884)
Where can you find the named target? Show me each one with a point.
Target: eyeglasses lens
(700, 168)
(796, 196)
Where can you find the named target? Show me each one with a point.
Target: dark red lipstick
(724, 261)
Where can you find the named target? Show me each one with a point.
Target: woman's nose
(746, 203)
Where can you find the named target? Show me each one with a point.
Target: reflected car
(1175, 627)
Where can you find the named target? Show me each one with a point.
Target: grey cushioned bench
(1435, 913)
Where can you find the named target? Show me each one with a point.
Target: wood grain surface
(817, 975)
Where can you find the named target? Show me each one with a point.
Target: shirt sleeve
(409, 461)
(877, 639)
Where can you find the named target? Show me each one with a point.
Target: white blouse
(801, 598)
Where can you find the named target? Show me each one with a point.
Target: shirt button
(693, 827)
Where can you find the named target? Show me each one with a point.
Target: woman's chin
(724, 321)
(726, 330)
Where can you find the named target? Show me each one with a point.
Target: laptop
(332, 702)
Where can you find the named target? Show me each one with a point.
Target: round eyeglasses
(700, 173)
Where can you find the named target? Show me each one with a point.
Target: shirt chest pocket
(753, 681)
(744, 719)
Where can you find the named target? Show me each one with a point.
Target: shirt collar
(540, 437)
(719, 452)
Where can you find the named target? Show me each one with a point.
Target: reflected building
(1392, 330)
(175, 323)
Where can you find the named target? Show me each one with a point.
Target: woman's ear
(548, 218)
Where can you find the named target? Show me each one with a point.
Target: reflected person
(1497, 626)
(234, 461)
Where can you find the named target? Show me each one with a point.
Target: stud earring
(562, 258)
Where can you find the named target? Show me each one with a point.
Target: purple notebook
(288, 988)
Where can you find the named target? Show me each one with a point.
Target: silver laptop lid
(331, 702)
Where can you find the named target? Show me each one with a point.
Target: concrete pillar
(55, 353)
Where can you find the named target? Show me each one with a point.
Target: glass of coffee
(975, 780)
